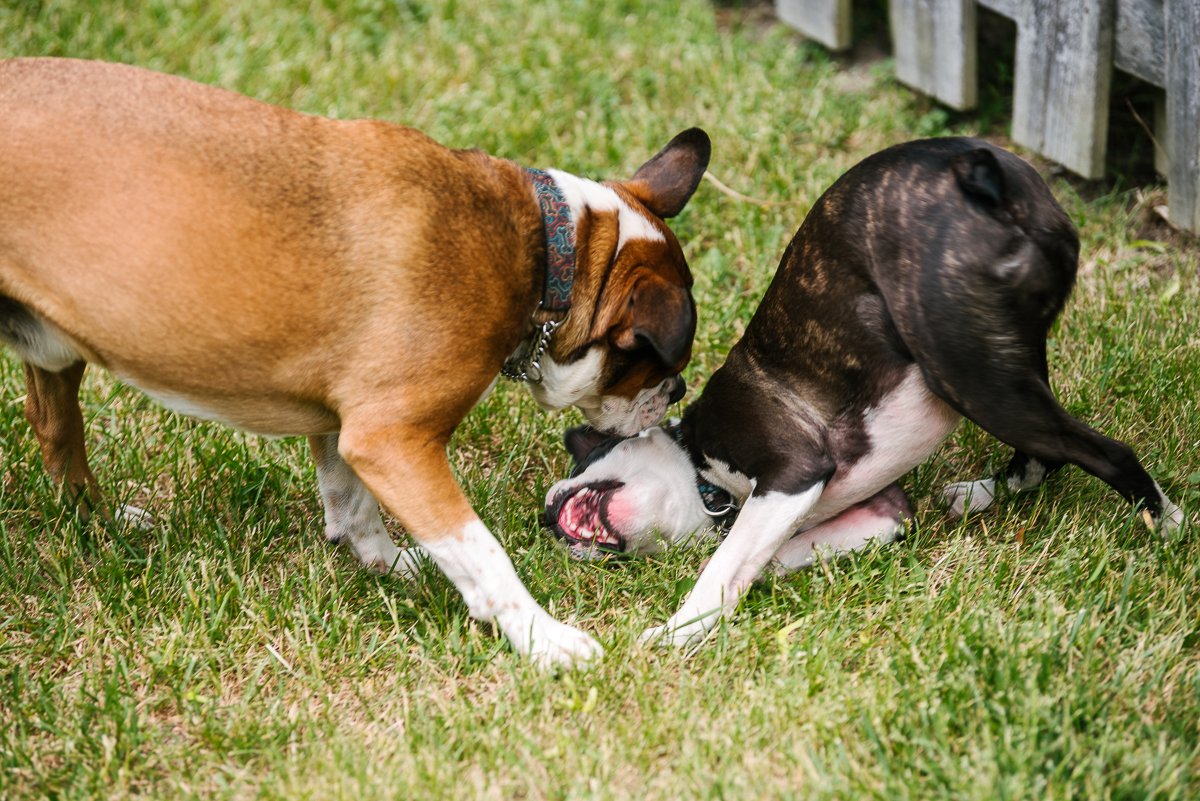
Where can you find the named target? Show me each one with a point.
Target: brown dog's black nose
(677, 391)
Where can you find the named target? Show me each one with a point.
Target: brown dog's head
(619, 353)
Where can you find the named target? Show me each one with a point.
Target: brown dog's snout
(678, 390)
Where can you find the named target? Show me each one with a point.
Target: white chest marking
(565, 385)
(908, 425)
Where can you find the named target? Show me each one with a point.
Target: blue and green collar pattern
(560, 242)
(525, 365)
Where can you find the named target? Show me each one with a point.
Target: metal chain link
(528, 368)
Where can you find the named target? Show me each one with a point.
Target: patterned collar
(525, 364)
(560, 242)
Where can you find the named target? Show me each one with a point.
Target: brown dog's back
(120, 181)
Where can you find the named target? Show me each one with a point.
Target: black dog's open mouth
(578, 518)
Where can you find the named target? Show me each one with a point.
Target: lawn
(1048, 648)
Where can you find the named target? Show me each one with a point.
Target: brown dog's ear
(665, 183)
(660, 315)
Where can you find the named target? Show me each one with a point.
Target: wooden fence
(1066, 50)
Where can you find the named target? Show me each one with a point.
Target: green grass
(1046, 649)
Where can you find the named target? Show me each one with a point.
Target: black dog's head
(625, 494)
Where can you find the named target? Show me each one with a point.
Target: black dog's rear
(979, 333)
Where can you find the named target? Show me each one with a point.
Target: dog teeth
(580, 519)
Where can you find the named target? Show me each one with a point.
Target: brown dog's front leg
(407, 470)
(52, 408)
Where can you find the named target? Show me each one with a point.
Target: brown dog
(351, 281)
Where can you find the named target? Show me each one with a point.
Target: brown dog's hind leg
(352, 513)
(52, 408)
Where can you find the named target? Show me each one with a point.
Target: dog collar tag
(560, 242)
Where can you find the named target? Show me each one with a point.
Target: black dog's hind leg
(1024, 472)
(1027, 416)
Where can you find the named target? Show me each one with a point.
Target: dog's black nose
(677, 391)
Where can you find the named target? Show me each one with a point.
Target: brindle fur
(950, 253)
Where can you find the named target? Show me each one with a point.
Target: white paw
(380, 555)
(969, 496)
(1171, 520)
(677, 634)
(550, 643)
(134, 517)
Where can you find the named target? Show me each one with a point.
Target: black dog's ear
(980, 175)
(582, 440)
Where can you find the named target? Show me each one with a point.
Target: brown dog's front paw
(552, 644)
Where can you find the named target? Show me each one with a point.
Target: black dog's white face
(627, 495)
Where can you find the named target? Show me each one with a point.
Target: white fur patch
(566, 385)
(628, 417)
(577, 384)
(907, 426)
(583, 194)
(1035, 474)
(480, 569)
(1172, 516)
(963, 497)
(722, 475)
(39, 341)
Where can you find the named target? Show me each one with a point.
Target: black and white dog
(918, 290)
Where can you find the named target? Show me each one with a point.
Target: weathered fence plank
(934, 45)
(1141, 47)
(1063, 74)
(1183, 112)
(827, 21)
(1066, 50)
